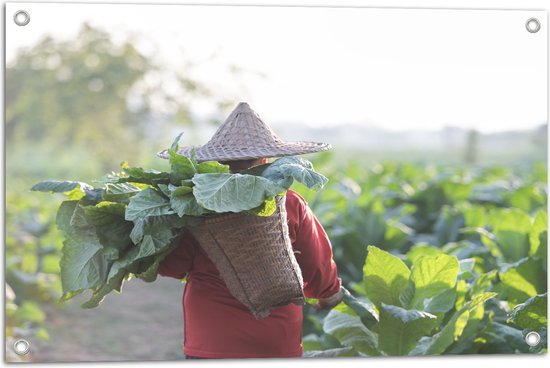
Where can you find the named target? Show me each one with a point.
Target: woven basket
(254, 257)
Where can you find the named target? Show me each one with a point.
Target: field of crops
(436, 259)
(33, 248)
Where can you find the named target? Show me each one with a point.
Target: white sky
(396, 68)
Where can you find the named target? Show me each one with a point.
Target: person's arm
(180, 261)
(313, 252)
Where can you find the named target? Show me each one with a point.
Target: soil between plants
(143, 323)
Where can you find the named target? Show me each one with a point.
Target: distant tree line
(90, 93)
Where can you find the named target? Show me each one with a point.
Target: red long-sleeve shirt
(216, 325)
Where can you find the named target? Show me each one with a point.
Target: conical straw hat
(245, 136)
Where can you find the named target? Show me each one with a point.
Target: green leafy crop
(402, 311)
(126, 227)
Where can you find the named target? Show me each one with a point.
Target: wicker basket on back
(254, 257)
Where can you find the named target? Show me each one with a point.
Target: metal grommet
(532, 25)
(532, 338)
(21, 18)
(21, 347)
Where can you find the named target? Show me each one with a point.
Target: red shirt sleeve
(312, 248)
(180, 261)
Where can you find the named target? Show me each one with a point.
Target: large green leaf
(140, 175)
(374, 222)
(120, 192)
(182, 168)
(148, 269)
(489, 193)
(438, 343)
(284, 170)
(149, 274)
(73, 189)
(186, 204)
(113, 178)
(488, 239)
(442, 302)
(396, 235)
(84, 264)
(456, 191)
(431, 276)
(56, 186)
(385, 276)
(511, 228)
(538, 238)
(466, 267)
(399, 329)
(540, 224)
(79, 220)
(522, 280)
(448, 225)
(185, 188)
(421, 250)
(98, 295)
(505, 339)
(312, 342)
(148, 202)
(527, 198)
(111, 227)
(220, 192)
(152, 244)
(120, 270)
(350, 331)
(466, 249)
(86, 255)
(474, 215)
(64, 215)
(513, 244)
(532, 314)
(363, 308)
(127, 264)
(153, 224)
(470, 332)
(542, 250)
(483, 283)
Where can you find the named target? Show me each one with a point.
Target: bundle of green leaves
(127, 225)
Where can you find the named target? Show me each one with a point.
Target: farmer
(216, 325)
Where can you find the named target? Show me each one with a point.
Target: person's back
(216, 325)
(219, 326)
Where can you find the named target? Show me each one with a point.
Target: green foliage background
(438, 259)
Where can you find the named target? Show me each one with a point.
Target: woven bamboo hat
(244, 136)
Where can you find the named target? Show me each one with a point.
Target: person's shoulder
(296, 207)
(294, 198)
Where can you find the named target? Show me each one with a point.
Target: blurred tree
(89, 93)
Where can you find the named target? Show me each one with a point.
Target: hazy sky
(400, 69)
